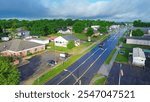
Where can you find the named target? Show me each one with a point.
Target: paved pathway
(105, 69)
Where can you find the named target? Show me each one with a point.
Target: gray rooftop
(139, 38)
(70, 37)
(17, 45)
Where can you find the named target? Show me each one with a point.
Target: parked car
(52, 62)
(64, 55)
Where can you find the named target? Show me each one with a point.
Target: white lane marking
(92, 64)
(89, 67)
(83, 63)
(78, 66)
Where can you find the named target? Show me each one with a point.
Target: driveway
(132, 75)
(36, 64)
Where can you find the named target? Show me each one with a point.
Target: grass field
(100, 81)
(110, 56)
(122, 58)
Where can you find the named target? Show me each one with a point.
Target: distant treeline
(45, 27)
(139, 23)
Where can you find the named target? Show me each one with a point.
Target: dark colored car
(101, 45)
(52, 62)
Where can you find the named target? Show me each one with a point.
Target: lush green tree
(9, 74)
(103, 30)
(78, 27)
(70, 44)
(137, 32)
(139, 23)
(90, 31)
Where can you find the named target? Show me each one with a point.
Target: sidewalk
(105, 69)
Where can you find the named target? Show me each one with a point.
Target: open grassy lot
(100, 81)
(110, 56)
(83, 36)
(122, 58)
(133, 46)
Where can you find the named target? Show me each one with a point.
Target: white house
(95, 27)
(148, 31)
(138, 57)
(5, 38)
(63, 40)
(39, 41)
(114, 27)
(67, 30)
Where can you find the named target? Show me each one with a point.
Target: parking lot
(132, 75)
(37, 64)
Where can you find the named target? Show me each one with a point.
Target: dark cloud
(22, 9)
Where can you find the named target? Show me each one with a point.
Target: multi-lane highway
(83, 70)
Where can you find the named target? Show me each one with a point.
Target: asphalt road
(86, 67)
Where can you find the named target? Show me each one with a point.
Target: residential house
(67, 30)
(95, 27)
(5, 38)
(39, 40)
(52, 38)
(63, 40)
(22, 33)
(114, 27)
(18, 47)
(138, 57)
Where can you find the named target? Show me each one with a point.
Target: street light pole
(120, 74)
(76, 78)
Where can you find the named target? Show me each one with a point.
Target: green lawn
(124, 57)
(133, 46)
(100, 81)
(110, 56)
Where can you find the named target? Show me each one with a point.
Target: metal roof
(138, 52)
(70, 37)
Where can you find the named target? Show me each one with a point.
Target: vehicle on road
(101, 45)
(51, 62)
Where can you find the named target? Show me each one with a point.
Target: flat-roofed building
(138, 57)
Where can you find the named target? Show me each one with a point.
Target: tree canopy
(137, 32)
(45, 27)
(103, 30)
(139, 23)
(70, 45)
(9, 74)
(90, 31)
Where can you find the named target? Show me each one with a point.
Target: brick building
(19, 47)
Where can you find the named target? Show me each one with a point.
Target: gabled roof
(17, 45)
(70, 37)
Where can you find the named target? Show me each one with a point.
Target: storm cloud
(22, 9)
(121, 10)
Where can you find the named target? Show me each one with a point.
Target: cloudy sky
(120, 10)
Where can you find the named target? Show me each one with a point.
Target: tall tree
(78, 27)
(137, 32)
(90, 31)
(9, 74)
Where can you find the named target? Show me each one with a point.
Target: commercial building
(19, 47)
(138, 57)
